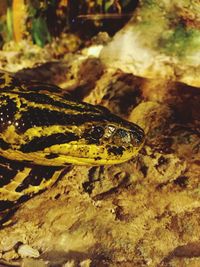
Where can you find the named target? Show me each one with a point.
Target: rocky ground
(144, 212)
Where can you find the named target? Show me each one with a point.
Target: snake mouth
(91, 154)
(73, 153)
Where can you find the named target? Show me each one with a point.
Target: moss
(149, 3)
(180, 41)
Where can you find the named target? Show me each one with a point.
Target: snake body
(43, 130)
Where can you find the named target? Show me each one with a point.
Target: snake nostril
(94, 134)
(97, 132)
(123, 135)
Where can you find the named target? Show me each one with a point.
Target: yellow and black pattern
(20, 181)
(42, 131)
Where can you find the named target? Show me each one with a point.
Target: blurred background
(41, 21)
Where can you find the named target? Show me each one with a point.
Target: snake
(43, 130)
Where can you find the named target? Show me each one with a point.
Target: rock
(161, 40)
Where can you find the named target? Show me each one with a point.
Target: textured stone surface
(144, 212)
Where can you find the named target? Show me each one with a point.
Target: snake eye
(94, 134)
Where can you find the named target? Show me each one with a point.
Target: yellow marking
(8, 191)
(44, 184)
(81, 154)
(9, 195)
(16, 140)
(14, 96)
(40, 131)
(17, 180)
(10, 135)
